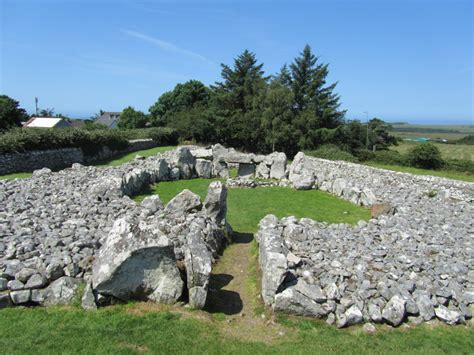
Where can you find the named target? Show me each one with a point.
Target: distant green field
(449, 132)
(441, 173)
(448, 151)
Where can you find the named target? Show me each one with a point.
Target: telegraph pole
(36, 105)
(367, 134)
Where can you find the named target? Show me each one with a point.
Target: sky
(397, 60)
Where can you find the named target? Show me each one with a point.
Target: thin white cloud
(166, 46)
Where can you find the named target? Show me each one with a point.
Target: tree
(277, 119)
(185, 96)
(11, 114)
(425, 156)
(131, 118)
(379, 134)
(315, 103)
(238, 102)
(46, 112)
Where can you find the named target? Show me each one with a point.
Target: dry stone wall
(62, 158)
(415, 263)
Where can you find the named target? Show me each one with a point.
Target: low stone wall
(412, 263)
(62, 158)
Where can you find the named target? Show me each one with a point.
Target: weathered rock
(394, 312)
(88, 298)
(152, 204)
(262, 171)
(54, 271)
(447, 315)
(198, 262)
(137, 262)
(278, 168)
(15, 285)
(20, 297)
(294, 302)
(185, 201)
(61, 292)
(425, 306)
(351, 317)
(185, 162)
(24, 274)
(36, 281)
(215, 204)
(204, 168)
(300, 175)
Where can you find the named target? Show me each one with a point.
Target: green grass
(15, 176)
(246, 207)
(448, 151)
(130, 156)
(416, 171)
(116, 330)
(112, 162)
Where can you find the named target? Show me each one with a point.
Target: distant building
(47, 122)
(109, 119)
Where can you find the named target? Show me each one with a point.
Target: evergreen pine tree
(238, 101)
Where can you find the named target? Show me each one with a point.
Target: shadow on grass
(242, 238)
(222, 301)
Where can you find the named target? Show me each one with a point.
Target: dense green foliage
(466, 140)
(20, 140)
(131, 118)
(291, 111)
(11, 114)
(425, 156)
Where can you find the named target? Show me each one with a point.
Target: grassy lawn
(405, 169)
(112, 162)
(246, 207)
(130, 156)
(448, 151)
(122, 330)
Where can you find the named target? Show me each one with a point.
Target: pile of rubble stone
(413, 262)
(79, 225)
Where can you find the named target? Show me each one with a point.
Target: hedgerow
(26, 139)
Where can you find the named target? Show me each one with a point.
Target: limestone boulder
(204, 168)
(215, 204)
(198, 263)
(301, 175)
(185, 162)
(137, 262)
(278, 167)
(61, 292)
(262, 171)
(185, 201)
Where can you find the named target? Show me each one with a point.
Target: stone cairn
(412, 260)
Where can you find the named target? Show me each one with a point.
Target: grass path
(234, 295)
